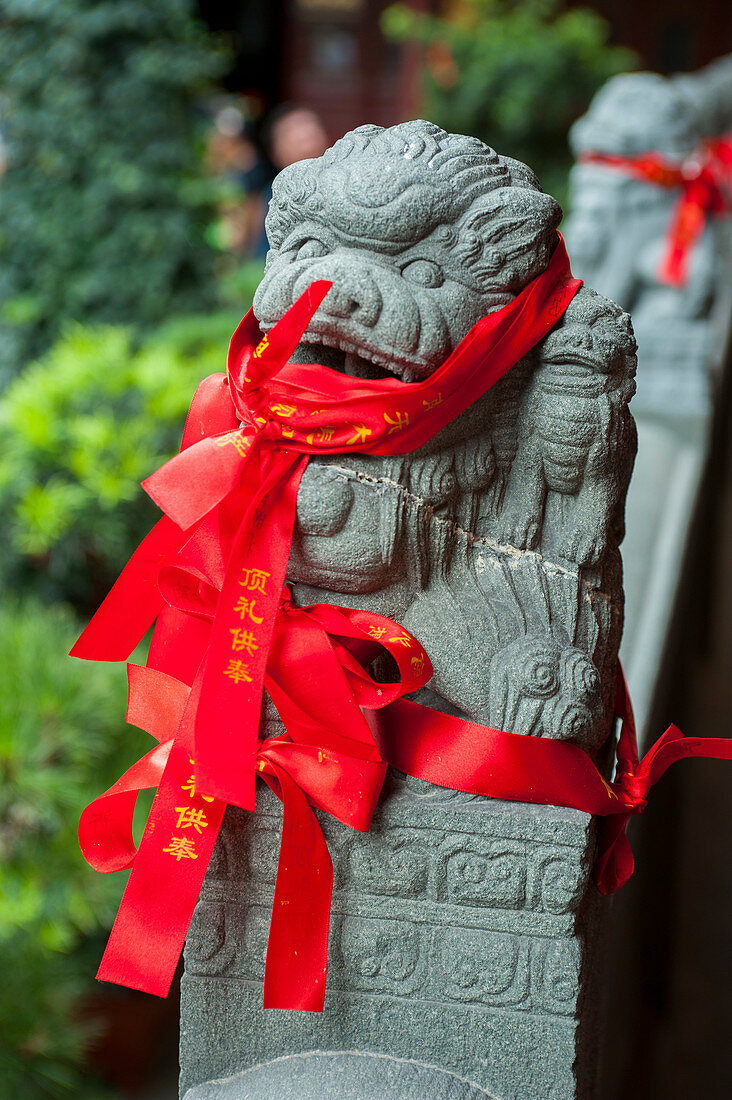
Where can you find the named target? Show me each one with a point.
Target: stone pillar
(461, 937)
(463, 943)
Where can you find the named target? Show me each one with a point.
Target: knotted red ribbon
(236, 490)
(318, 677)
(703, 192)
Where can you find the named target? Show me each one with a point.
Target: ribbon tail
(133, 602)
(672, 270)
(105, 826)
(673, 746)
(280, 342)
(167, 874)
(297, 952)
(156, 704)
(614, 863)
(227, 719)
(686, 228)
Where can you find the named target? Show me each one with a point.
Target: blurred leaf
(22, 310)
(81, 428)
(62, 742)
(104, 203)
(515, 73)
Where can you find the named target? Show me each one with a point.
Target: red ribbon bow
(703, 192)
(318, 677)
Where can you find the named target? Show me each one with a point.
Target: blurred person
(233, 156)
(290, 133)
(294, 133)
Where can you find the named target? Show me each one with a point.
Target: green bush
(104, 204)
(81, 428)
(62, 741)
(515, 73)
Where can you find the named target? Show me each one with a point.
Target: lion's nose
(582, 338)
(354, 295)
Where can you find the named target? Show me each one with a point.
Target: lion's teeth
(406, 371)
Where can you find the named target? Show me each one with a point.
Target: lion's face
(417, 254)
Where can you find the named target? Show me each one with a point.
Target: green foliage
(81, 428)
(515, 73)
(62, 741)
(240, 282)
(103, 206)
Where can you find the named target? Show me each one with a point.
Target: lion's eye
(423, 273)
(311, 249)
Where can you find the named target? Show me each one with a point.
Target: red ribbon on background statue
(705, 189)
(212, 572)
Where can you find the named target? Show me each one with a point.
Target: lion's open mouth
(341, 357)
(341, 354)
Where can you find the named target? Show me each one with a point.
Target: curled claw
(519, 529)
(581, 546)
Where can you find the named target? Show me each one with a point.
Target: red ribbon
(320, 653)
(212, 574)
(467, 757)
(703, 192)
(213, 571)
(319, 680)
(236, 489)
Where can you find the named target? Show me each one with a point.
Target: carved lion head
(421, 233)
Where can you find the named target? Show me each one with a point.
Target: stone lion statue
(497, 542)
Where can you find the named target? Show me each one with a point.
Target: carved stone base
(462, 937)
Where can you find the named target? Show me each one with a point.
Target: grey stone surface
(349, 1075)
(437, 539)
(617, 230)
(710, 92)
(456, 939)
(661, 510)
(463, 928)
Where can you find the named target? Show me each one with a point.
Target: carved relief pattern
(448, 902)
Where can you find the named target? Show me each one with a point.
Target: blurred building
(331, 55)
(670, 35)
(327, 54)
